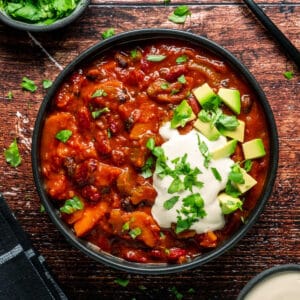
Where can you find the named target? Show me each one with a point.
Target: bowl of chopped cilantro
(40, 15)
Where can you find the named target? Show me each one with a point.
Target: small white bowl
(278, 283)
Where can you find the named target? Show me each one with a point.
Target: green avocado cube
(228, 203)
(254, 149)
(237, 134)
(203, 94)
(249, 182)
(211, 132)
(224, 151)
(232, 98)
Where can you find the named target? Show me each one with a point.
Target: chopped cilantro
(122, 282)
(178, 295)
(97, 113)
(176, 186)
(216, 174)
(164, 85)
(42, 208)
(227, 122)
(168, 204)
(64, 135)
(10, 95)
(135, 232)
(99, 93)
(288, 75)
(248, 165)
(126, 226)
(236, 175)
(39, 12)
(183, 113)
(181, 59)
(181, 79)
(150, 144)
(12, 155)
(146, 169)
(155, 58)
(47, 83)
(72, 205)
(28, 85)
(108, 33)
(180, 14)
(204, 151)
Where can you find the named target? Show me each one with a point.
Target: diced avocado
(211, 132)
(254, 149)
(231, 98)
(249, 182)
(228, 203)
(203, 93)
(237, 134)
(224, 151)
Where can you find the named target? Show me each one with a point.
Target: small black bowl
(6, 19)
(268, 276)
(123, 40)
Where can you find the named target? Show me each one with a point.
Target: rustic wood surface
(275, 237)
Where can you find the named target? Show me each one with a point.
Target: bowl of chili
(144, 162)
(40, 16)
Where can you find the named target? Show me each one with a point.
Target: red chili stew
(105, 113)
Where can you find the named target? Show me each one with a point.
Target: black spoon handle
(291, 50)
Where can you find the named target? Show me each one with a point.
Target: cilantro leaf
(216, 174)
(181, 79)
(99, 93)
(180, 14)
(227, 122)
(72, 205)
(47, 83)
(28, 85)
(108, 33)
(168, 204)
(183, 113)
(248, 165)
(122, 282)
(146, 169)
(176, 186)
(181, 59)
(64, 135)
(12, 155)
(288, 75)
(135, 232)
(97, 113)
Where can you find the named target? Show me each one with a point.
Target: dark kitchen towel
(23, 273)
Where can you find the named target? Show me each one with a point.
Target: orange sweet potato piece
(91, 215)
(137, 219)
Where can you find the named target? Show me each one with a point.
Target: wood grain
(275, 237)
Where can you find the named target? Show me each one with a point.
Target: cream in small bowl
(277, 283)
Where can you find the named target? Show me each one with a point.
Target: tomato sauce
(113, 106)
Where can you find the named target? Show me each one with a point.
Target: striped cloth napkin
(23, 273)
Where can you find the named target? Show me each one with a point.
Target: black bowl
(6, 19)
(123, 40)
(270, 274)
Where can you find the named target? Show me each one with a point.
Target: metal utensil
(290, 49)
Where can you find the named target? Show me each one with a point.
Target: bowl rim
(264, 275)
(139, 36)
(81, 6)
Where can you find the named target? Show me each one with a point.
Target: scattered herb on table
(177, 294)
(122, 282)
(108, 33)
(42, 208)
(180, 14)
(47, 83)
(288, 75)
(28, 85)
(12, 154)
(40, 11)
(10, 95)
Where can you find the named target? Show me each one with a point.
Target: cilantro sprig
(12, 154)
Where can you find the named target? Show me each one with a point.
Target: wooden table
(273, 240)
